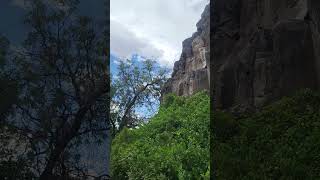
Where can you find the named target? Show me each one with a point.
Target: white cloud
(153, 27)
(125, 42)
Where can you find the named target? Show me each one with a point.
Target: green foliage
(174, 144)
(15, 170)
(137, 86)
(8, 96)
(280, 142)
(4, 43)
(12, 164)
(8, 88)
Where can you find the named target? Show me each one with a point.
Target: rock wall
(190, 73)
(262, 50)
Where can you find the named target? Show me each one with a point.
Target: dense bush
(15, 170)
(280, 142)
(174, 144)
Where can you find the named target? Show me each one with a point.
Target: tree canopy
(136, 86)
(174, 144)
(61, 76)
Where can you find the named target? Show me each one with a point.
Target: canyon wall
(190, 73)
(263, 50)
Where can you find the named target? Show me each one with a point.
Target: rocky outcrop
(190, 73)
(263, 50)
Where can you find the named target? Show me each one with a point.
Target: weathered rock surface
(263, 50)
(190, 73)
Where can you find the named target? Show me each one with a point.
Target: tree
(11, 166)
(8, 90)
(135, 86)
(63, 82)
(174, 144)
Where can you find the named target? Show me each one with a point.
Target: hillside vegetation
(174, 144)
(280, 142)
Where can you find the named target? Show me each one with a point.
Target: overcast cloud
(153, 28)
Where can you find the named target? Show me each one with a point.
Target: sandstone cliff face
(263, 50)
(190, 73)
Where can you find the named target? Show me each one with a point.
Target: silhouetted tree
(62, 75)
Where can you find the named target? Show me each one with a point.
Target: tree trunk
(65, 136)
(47, 174)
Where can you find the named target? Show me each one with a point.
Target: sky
(153, 28)
(12, 27)
(12, 14)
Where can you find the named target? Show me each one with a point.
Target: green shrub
(15, 170)
(281, 142)
(174, 144)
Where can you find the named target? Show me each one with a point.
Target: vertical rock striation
(190, 73)
(262, 50)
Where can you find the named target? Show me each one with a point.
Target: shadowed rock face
(190, 73)
(263, 50)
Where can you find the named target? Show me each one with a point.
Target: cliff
(190, 73)
(263, 50)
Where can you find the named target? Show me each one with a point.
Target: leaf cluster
(174, 144)
(280, 142)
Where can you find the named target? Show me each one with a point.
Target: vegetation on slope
(174, 144)
(280, 142)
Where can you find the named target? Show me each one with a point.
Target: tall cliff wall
(262, 50)
(190, 73)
